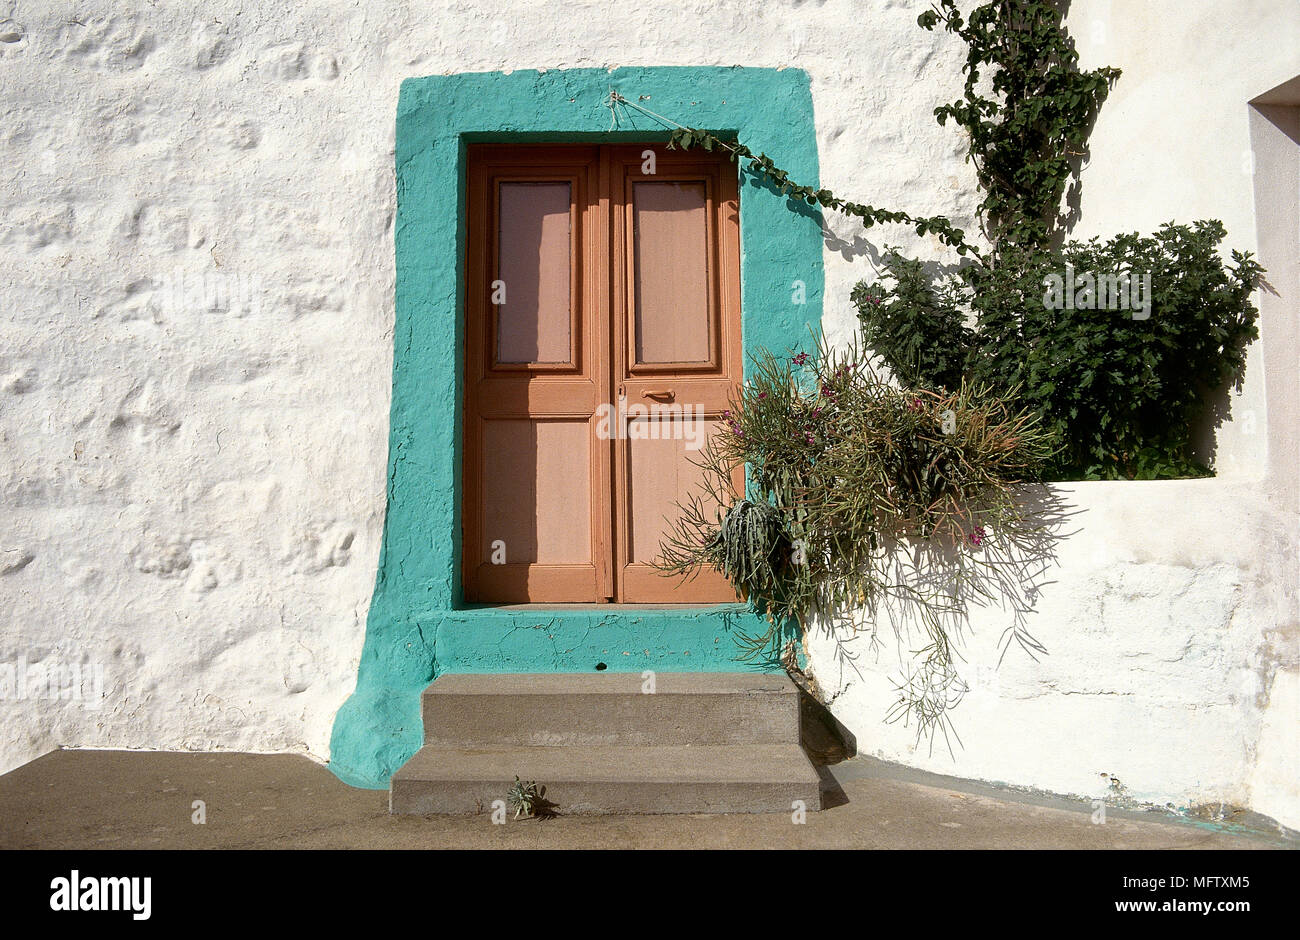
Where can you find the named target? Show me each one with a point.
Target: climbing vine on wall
(1119, 377)
(762, 165)
(1025, 131)
(1027, 123)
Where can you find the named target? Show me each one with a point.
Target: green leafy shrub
(916, 323)
(1119, 376)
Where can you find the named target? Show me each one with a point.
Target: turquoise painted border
(418, 627)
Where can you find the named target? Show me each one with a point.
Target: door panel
(659, 464)
(677, 350)
(534, 265)
(670, 272)
(535, 525)
(536, 483)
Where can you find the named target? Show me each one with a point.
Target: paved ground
(134, 799)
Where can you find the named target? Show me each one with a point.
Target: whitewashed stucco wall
(196, 205)
(1171, 617)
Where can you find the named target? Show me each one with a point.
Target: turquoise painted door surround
(418, 627)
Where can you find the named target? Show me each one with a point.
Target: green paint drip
(417, 626)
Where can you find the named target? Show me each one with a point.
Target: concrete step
(613, 779)
(610, 709)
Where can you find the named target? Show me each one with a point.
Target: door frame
(417, 624)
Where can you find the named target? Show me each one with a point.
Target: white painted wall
(192, 487)
(1171, 621)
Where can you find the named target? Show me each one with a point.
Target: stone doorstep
(700, 743)
(584, 709)
(747, 778)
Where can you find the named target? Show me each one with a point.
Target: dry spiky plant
(526, 797)
(863, 497)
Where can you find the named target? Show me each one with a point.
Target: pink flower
(801, 359)
(977, 535)
(762, 395)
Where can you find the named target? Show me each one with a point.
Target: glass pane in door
(533, 266)
(671, 276)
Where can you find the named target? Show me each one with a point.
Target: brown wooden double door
(602, 345)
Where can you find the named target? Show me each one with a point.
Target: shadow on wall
(936, 587)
